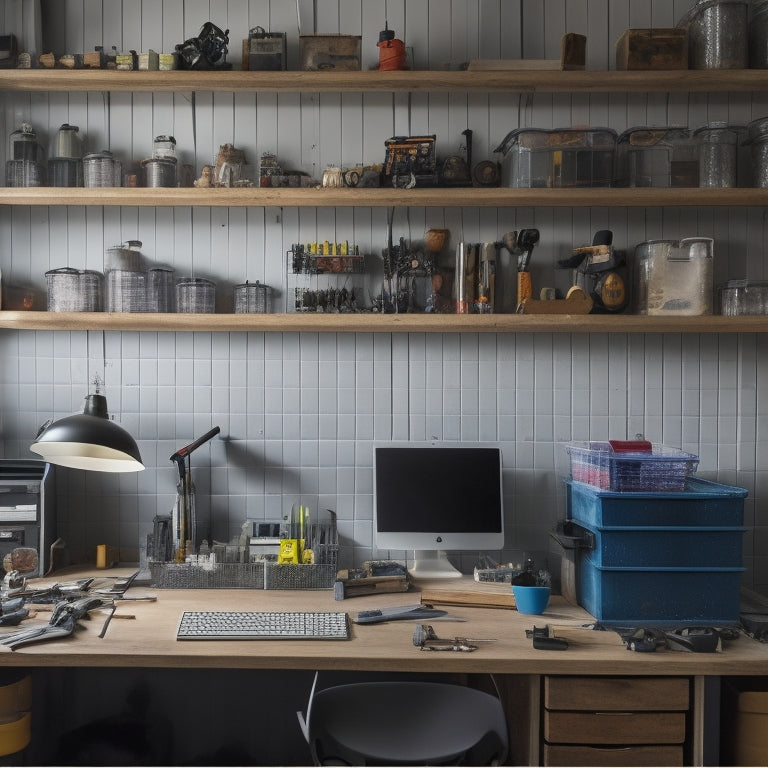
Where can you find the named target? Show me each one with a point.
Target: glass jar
(252, 297)
(718, 154)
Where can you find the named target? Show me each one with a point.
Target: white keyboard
(263, 625)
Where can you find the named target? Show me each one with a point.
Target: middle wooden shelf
(484, 197)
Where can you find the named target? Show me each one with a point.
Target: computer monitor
(434, 497)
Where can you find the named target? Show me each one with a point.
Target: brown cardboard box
(319, 52)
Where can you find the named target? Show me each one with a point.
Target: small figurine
(206, 177)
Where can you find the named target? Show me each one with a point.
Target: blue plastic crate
(663, 546)
(644, 596)
(702, 503)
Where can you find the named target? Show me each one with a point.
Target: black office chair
(404, 723)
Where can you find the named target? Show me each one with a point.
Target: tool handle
(187, 449)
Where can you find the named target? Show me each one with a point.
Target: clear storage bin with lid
(25, 166)
(717, 34)
(657, 157)
(718, 146)
(566, 157)
(195, 294)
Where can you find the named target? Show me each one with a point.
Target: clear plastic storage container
(619, 465)
(657, 157)
(567, 157)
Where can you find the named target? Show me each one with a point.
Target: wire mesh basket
(217, 576)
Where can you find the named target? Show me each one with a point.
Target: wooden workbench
(148, 642)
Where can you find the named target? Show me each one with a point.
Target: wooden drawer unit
(616, 721)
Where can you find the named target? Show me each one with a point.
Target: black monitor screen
(436, 489)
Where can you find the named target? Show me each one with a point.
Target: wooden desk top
(149, 640)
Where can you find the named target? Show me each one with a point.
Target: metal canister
(160, 289)
(195, 294)
(126, 290)
(74, 290)
(252, 297)
(100, 170)
(67, 142)
(758, 35)
(757, 139)
(717, 30)
(160, 172)
(718, 154)
(124, 256)
(25, 166)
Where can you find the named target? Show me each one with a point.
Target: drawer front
(614, 727)
(627, 694)
(554, 754)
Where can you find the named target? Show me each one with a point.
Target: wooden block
(574, 306)
(475, 598)
(644, 49)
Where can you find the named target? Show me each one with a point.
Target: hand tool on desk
(407, 613)
(424, 637)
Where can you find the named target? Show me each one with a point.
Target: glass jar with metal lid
(101, 170)
(195, 294)
(25, 166)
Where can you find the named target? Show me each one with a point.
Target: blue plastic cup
(532, 600)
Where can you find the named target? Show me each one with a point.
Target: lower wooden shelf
(373, 323)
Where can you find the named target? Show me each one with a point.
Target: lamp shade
(89, 440)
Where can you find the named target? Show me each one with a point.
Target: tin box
(341, 52)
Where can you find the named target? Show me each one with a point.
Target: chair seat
(406, 723)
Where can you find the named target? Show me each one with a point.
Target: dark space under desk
(255, 686)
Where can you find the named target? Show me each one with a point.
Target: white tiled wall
(299, 412)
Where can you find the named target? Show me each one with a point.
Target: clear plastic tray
(630, 466)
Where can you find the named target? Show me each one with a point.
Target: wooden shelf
(419, 197)
(428, 81)
(376, 323)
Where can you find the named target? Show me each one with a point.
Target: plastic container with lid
(674, 277)
(744, 297)
(567, 157)
(718, 147)
(717, 34)
(657, 157)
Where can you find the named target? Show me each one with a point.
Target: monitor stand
(432, 564)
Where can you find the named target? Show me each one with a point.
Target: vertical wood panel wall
(299, 412)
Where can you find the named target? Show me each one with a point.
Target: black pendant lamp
(89, 440)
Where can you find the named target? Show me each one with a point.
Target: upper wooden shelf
(495, 197)
(372, 323)
(521, 81)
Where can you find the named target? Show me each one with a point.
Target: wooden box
(320, 52)
(645, 49)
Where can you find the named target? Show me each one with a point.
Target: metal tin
(252, 298)
(718, 154)
(65, 172)
(717, 31)
(195, 294)
(100, 170)
(74, 290)
(160, 172)
(24, 173)
(67, 142)
(124, 256)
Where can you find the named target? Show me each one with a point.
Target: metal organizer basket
(257, 575)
